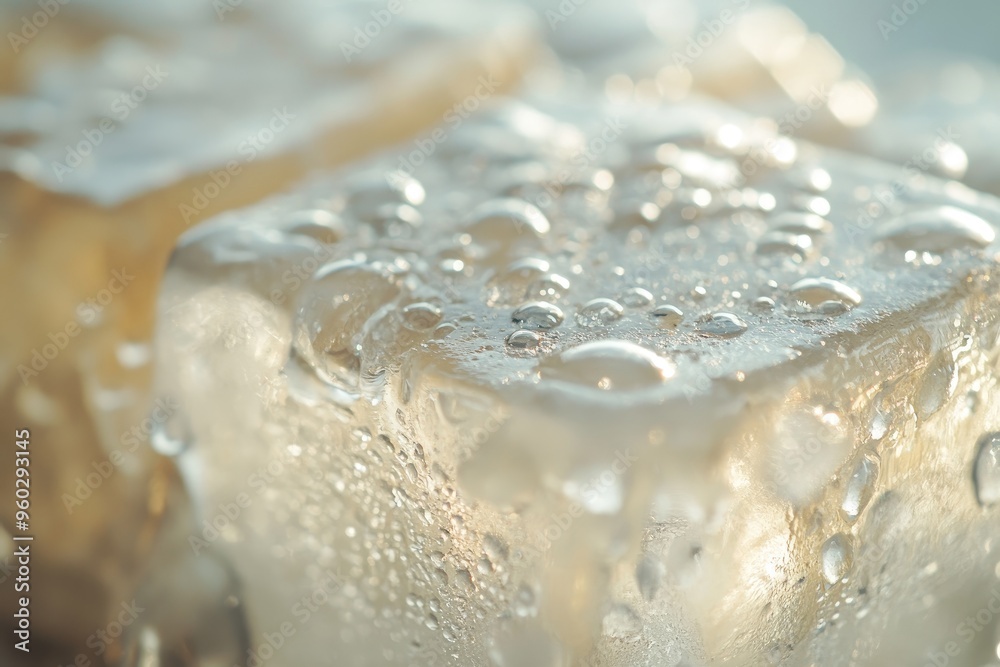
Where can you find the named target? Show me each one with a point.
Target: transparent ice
(538, 429)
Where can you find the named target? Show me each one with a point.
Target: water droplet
(523, 339)
(763, 304)
(395, 220)
(444, 330)
(528, 267)
(986, 471)
(723, 325)
(511, 285)
(551, 286)
(609, 365)
(332, 311)
(321, 225)
(860, 488)
(499, 223)
(822, 296)
(667, 316)
(421, 316)
(370, 190)
(938, 385)
(538, 315)
(836, 558)
(636, 297)
(599, 312)
(937, 230)
(785, 243)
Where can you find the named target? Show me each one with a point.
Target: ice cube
(115, 139)
(604, 438)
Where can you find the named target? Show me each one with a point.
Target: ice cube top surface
(619, 256)
(683, 327)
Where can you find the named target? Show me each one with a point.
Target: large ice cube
(596, 385)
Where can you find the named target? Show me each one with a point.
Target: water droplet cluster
(509, 335)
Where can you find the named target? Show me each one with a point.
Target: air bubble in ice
(599, 312)
(538, 315)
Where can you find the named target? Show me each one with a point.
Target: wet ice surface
(148, 107)
(624, 387)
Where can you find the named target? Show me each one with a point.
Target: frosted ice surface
(264, 83)
(597, 385)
